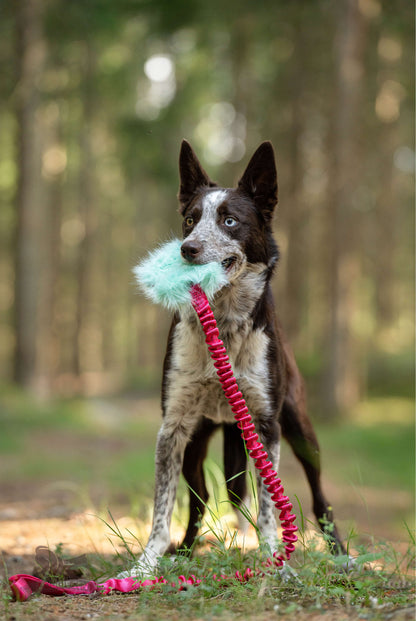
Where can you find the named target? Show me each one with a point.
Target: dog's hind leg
(192, 470)
(298, 431)
(235, 466)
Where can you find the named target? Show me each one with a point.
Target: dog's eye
(230, 221)
(189, 221)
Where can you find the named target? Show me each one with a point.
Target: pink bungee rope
(244, 421)
(24, 585)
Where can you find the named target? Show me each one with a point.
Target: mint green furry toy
(166, 278)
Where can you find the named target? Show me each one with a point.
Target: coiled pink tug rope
(244, 422)
(24, 585)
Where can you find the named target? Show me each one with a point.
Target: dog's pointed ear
(259, 180)
(192, 175)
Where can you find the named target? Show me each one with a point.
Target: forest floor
(59, 482)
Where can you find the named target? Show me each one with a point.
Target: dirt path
(30, 524)
(37, 511)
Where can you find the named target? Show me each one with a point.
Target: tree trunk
(29, 208)
(48, 330)
(385, 237)
(88, 338)
(294, 216)
(342, 374)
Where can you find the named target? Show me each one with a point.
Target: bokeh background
(95, 98)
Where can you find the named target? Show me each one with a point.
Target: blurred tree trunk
(341, 378)
(384, 237)
(295, 218)
(30, 53)
(87, 352)
(241, 92)
(54, 165)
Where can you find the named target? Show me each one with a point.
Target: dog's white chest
(193, 370)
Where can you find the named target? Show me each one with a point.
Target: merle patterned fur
(233, 226)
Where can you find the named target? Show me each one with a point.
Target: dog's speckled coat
(232, 227)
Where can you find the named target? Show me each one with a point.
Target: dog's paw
(287, 573)
(137, 571)
(144, 568)
(133, 572)
(350, 564)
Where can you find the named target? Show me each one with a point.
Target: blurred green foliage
(95, 98)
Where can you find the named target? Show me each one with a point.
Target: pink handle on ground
(24, 585)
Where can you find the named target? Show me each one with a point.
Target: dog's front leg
(170, 448)
(269, 436)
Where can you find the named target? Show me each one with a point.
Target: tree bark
(87, 352)
(295, 217)
(30, 54)
(386, 236)
(341, 377)
(50, 281)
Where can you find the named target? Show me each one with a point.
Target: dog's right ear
(259, 180)
(192, 175)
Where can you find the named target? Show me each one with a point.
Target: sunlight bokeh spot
(159, 90)
(389, 49)
(388, 101)
(222, 131)
(54, 161)
(159, 68)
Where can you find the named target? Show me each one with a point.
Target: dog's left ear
(259, 180)
(192, 175)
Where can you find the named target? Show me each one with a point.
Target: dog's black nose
(190, 250)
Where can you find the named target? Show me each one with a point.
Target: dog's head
(228, 225)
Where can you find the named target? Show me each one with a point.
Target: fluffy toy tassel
(157, 276)
(166, 278)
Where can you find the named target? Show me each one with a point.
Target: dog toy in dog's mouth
(166, 278)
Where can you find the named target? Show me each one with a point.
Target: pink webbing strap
(24, 585)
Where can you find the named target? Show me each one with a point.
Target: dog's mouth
(228, 263)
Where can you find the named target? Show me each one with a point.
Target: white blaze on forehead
(216, 244)
(213, 200)
(207, 228)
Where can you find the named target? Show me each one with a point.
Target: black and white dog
(233, 227)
